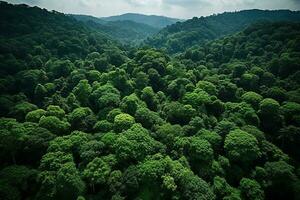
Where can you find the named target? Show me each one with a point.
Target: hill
(182, 35)
(60, 34)
(128, 32)
(82, 117)
(151, 20)
(88, 18)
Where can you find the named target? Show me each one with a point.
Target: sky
(183, 9)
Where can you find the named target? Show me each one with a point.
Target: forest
(208, 114)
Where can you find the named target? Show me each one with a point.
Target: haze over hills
(182, 35)
(151, 20)
(126, 31)
(178, 35)
(87, 18)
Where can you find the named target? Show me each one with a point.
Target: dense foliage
(81, 117)
(177, 37)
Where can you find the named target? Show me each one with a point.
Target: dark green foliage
(135, 144)
(250, 189)
(223, 190)
(200, 150)
(68, 182)
(212, 137)
(178, 113)
(269, 114)
(180, 36)
(241, 146)
(150, 98)
(105, 96)
(17, 181)
(54, 125)
(282, 177)
(83, 117)
(168, 133)
(103, 126)
(252, 98)
(147, 117)
(20, 110)
(82, 91)
(97, 172)
(123, 122)
(130, 104)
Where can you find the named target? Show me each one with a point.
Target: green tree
(82, 119)
(115, 181)
(252, 98)
(53, 161)
(150, 98)
(147, 117)
(223, 190)
(82, 92)
(11, 138)
(141, 80)
(130, 104)
(249, 81)
(250, 189)
(97, 172)
(212, 137)
(208, 87)
(103, 126)
(20, 110)
(90, 150)
(196, 99)
(224, 127)
(200, 151)
(242, 147)
(269, 115)
(17, 181)
(40, 92)
(135, 144)
(123, 122)
(35, 116)
(281, 176)
(269, 106)
(290, 111)
(105, 96)
(60, 68)
(277, 93)
(35, 144)
(55, 125)
(167, 134)
(68, 182)
(27, 80)
(55, 111)
(178, 113)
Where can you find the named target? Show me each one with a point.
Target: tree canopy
(83, 116)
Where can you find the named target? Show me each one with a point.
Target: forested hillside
(151, 20)
(126, 32)
(82, 117)
(182, 35)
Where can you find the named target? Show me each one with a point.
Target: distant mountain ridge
(86, 18)
(124, 31)
(151, 20)
(182, 35)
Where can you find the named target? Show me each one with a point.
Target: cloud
(144, 2)
(185, 3)
(173, 8)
